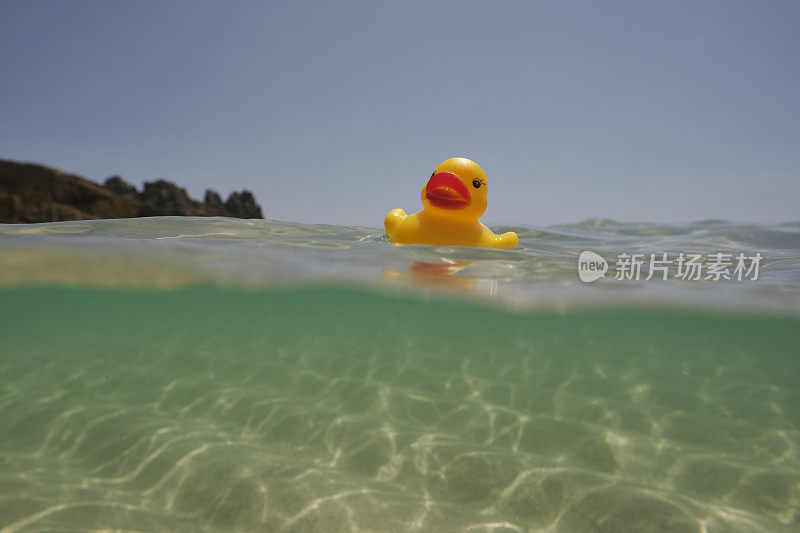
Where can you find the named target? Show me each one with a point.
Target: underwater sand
(316, 406)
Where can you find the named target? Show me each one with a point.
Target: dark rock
(163, 198)
(120, 187)
(243, 205)
(126, 191)
(35, 193)
(214, 205)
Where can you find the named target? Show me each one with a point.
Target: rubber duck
(453, 200)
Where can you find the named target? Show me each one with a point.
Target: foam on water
(337, 407)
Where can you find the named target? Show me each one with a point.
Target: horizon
(199, 198)
(648, 113)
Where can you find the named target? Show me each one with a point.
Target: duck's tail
(392, 220)
(508, 239)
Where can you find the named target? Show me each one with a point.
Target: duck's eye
(476, 183)
(432, 174)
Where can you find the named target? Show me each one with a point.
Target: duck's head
(456, 190)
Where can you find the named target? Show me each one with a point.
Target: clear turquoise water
(320, 379)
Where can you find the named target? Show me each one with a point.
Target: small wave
(543, 270)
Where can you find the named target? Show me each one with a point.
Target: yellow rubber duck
(453, 199)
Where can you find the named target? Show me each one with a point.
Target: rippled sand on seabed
(336, 409)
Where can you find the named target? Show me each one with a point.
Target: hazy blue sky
(337, 112)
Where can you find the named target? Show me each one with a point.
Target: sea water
(173, 374)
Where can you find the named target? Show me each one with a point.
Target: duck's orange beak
(445, 191)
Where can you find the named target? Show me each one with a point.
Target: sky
(337, 112)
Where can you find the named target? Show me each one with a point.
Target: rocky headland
(36, 193)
